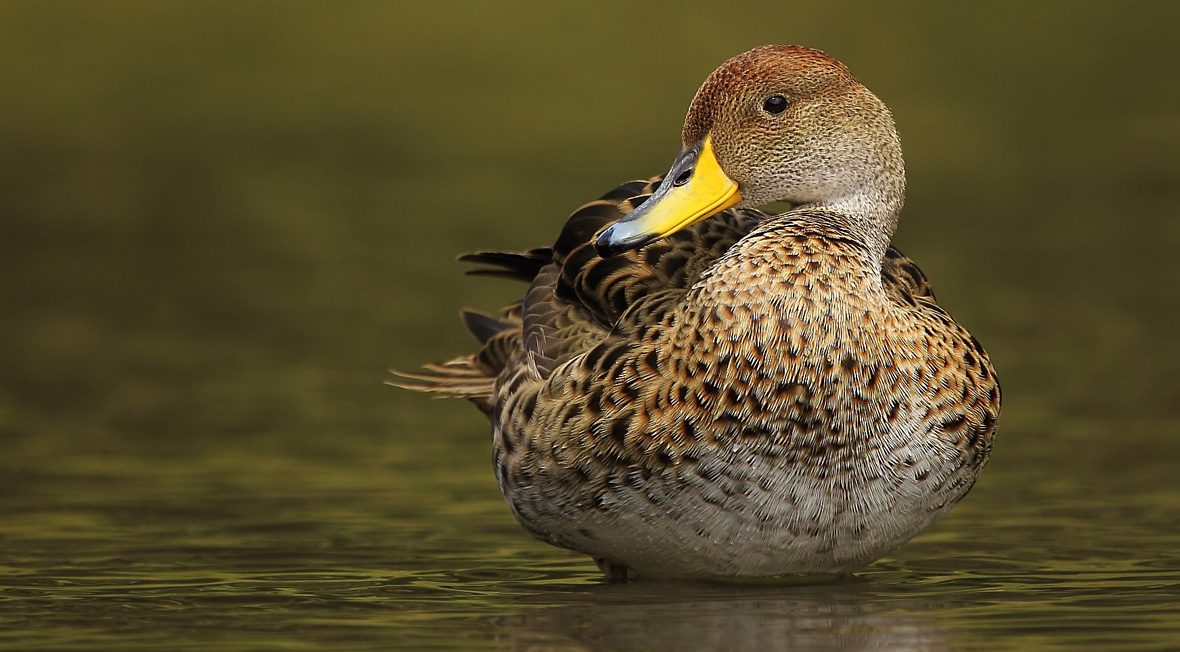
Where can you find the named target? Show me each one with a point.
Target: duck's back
(576, 299)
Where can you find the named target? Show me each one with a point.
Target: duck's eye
(775, 104)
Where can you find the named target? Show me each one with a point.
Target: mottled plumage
(752, 395)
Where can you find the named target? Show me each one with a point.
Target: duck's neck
(870, 213)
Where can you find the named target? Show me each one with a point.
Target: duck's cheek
(755, 168)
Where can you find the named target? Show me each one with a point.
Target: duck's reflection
(845, 616)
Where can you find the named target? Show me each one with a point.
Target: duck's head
(777, 123)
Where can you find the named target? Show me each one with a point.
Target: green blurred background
(220, 222)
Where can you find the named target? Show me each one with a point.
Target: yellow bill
(695, 188)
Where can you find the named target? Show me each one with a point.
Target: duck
(693, 388)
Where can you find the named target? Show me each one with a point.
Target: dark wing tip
(520, 265)
(483, 326)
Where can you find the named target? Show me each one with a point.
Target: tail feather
(462, 377)
(473, 377)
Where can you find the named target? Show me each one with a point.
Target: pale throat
(870, 210)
